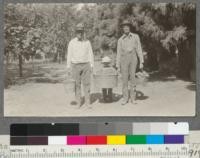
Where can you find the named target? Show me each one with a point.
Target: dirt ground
(46, 96)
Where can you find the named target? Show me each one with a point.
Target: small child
(107, 92)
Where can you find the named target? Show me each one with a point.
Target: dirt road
(168, 97)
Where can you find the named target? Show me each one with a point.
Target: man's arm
(139, 50)
(91, 55)
(69, 55)
(119, 49)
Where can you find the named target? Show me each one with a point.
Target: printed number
(97, 149)
(79, 150)
(194, 152)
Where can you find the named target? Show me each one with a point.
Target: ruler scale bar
(112, 151)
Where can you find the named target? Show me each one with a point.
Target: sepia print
(99, 59)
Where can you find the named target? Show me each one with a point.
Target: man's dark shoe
(124, 102)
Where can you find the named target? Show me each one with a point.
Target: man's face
(79, 35)
(126, 29)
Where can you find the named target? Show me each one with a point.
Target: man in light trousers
(80, 62)
(128, 52)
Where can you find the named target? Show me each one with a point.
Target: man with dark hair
(128, 52)
(80, 62)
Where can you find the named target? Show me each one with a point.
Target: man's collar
(78, 39)
(129, 35)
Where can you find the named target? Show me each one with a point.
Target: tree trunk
(32, 61)
(6, 79)
(192, 47)
(184, 61)
(20, 66)
(153, 60)
(63, 56)
(55, 58)
(7, 62)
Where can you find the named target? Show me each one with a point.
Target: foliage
(174, 37)
(49, 28)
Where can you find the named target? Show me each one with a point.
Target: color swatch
(57, 140)
(98, 133)
(98, 140)
(116, 139)
(173, 139)
(136, 139)
(76, 140)
(155, 139)
(180, 128)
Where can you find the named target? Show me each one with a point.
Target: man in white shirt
(80, 61)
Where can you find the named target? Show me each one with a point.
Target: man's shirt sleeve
(69, 54)
(139, 49)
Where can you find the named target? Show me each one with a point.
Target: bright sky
(80, 5)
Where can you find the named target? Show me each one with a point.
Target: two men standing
(80, 61)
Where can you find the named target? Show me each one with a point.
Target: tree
(167, 26)
(14, 34)
(164, 29)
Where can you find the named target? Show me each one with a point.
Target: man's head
(80, 31)
(126, 26)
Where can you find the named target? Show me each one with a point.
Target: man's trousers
(82, 75)
(128, 65)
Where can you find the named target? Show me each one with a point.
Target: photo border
(5, 122)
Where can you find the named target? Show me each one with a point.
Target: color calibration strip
(98, 140)
(180, 128)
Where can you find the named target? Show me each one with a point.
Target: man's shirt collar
(76, 39)
(129, 35)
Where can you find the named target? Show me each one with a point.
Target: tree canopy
(162, 27)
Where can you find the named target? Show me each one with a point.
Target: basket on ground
(105, 81)
(141, 78)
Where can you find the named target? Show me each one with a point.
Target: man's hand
(92, 69)
(118, 70)
(69, 71)
(141, 66)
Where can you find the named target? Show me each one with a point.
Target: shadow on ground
(191, 87)
(99, 97)
(140, 96)
(161, 77)
(116, 97)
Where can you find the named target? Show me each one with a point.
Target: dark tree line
(167, 31)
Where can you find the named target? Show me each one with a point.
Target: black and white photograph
(99, 59)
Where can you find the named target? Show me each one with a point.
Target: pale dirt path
(169, 98)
